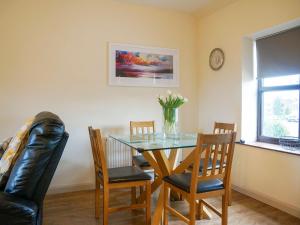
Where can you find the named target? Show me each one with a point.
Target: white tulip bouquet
(172, 100)
(170, 105)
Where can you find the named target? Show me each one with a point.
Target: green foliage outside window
(275, 129)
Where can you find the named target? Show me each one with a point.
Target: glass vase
(170, 120)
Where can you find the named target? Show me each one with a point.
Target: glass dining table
(153, 147)
(157, 141)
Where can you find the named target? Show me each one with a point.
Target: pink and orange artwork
(146, 65)
(133, 65)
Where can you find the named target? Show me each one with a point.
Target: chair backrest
(221, 145)
(223, 128)
(142, 127)
(98, 153)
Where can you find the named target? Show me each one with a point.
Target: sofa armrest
(14, 210)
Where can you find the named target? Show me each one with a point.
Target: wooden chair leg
(225, 209)
(192, 212)
(148, 203)
(141, 190)
(105, 205)
(97, 201)
(229, 193)
(166, 200)
(133, 195)
(199, 210)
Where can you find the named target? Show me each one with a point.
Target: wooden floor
(77, 208)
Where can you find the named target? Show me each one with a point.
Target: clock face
(216, 59)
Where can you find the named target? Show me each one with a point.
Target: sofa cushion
(16, 211)
(45, 135)
(4, 145)
(13, 151)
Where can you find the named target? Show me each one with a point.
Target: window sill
(271, 147)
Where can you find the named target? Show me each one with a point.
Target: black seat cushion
(183, 181)
(126, 174)
(14, 210)
(140, 161)
(209, 165)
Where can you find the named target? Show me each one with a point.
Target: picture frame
(134, 65)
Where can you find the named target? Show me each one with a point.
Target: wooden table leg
(174, 196)
(173, 158)
(163, 167)
(166, 166)
(158, 213)
(154, 185)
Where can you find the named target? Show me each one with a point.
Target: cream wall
(53, 56)
(266, 175)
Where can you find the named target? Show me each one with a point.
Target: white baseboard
(70, 188)
(283, 206)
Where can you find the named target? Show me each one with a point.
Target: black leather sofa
(21, 200)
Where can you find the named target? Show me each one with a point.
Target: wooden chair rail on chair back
(223, 128)
(98, 155)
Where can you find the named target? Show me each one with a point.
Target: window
(278, 73)
(278, 108)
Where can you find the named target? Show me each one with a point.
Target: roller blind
(279, 54)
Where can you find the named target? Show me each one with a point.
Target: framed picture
(131, 65)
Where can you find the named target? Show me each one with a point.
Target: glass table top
(157, 141)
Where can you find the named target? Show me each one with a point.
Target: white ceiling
(201, 6)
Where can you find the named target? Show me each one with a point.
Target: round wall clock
(216, 59)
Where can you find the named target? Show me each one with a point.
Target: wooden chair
(219, 128)
(140, 128)
(211, 182)
(225, 128)
(122, 177)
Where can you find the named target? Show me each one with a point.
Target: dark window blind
(279, 54)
